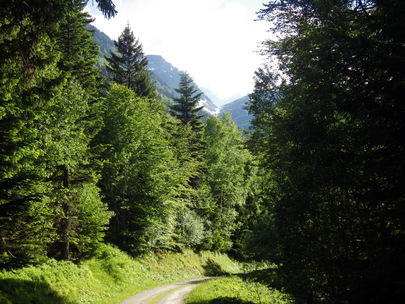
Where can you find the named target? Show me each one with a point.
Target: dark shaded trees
(333, 140)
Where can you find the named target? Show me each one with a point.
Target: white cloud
(214, 40)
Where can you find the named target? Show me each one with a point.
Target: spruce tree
(79, 52)
(185, 107)
(70, 158)
(32, 88)
(29, 78)
(128, 65)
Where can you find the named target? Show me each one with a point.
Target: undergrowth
(108, 278)
(236, 289)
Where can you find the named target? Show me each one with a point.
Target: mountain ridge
(167, 78)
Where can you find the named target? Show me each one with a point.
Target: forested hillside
(85, 162)
(92, 152)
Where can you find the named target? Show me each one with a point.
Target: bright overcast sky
(215, 41)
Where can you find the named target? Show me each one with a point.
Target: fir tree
(127, 65)
(186, 107)
(33, 89)
(71, 161)
(79, 52)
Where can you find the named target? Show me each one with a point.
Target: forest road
(167, 294)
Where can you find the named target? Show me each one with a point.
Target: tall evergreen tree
(185, 107)
(28, 77)
(31, 85)
(79, 52)
(74, 173)
(128, 65)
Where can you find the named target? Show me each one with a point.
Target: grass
(236, 289)
(109, 278)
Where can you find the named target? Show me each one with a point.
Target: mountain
(239, 114)
(164, 74)
(104, 42)
(167, 78)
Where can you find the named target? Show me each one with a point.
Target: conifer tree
(28, 77)
(32, 88)
(79, 52)
(185, 107)
(128, 65)
(74, 174)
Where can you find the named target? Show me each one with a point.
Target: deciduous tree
(141, 175)
(227, 161)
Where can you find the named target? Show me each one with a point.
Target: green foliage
(190, 229)
(227, 165)
(185, 107)
(235, 290)
(212, 268)
(79, 53)
(107, 7)
(29, 78)
(70, 178)
(141, 173)
(45, 132)
(333, 142)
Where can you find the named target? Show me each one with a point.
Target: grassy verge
(242, 289)
(109, 278)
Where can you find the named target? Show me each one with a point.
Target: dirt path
(167, 294)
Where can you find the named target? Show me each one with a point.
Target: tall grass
(108, 278)
(236, 289)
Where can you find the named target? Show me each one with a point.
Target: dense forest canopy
(317, 186)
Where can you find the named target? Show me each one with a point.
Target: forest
(92, 154)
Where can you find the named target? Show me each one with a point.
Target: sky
(215, 41)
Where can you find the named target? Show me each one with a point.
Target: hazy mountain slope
(239, 114)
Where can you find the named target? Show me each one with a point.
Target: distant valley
(167, 78)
